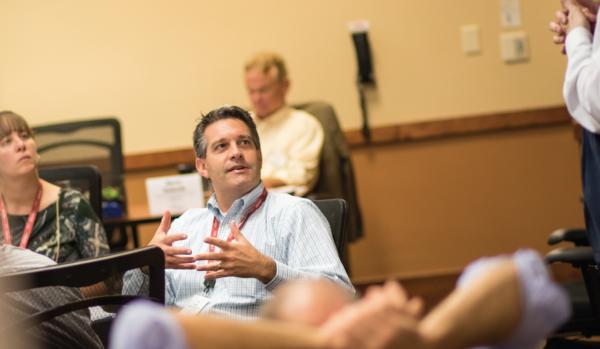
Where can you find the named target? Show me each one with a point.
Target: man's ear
(286, 86)
(201, 167)
(260, 160)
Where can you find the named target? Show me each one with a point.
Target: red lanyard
(30, 220)
(255, 205)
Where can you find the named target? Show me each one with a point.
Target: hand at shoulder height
(577, 16)
(572, 14)
(590, 5)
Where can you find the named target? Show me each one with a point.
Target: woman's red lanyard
(209, 284)
(30, 220)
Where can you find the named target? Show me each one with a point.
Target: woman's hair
(11, 122)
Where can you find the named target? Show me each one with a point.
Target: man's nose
(235, 152)
(255, 96)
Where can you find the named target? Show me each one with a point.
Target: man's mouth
(237, 168)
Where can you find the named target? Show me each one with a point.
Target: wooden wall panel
(431, 207)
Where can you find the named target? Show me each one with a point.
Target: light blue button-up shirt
(289, 229)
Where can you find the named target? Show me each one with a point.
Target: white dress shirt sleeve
(581, 88)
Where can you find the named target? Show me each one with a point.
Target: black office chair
(336, 212)
(90, 142)
(86, 179)
(102, 273)
(584, 295)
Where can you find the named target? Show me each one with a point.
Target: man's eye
(219, 146)
(25, 135)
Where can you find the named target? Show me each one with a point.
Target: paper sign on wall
(174, 193)
(510, 13)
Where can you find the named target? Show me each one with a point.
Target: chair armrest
(576, 256)
(185, 168)
(577, 236)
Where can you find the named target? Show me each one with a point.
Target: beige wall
(157, 64)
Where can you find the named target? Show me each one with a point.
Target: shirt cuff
(282, 274)
(545, 304)
(576, 37)
(146, 325)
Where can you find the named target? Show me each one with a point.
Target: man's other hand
(175, 257)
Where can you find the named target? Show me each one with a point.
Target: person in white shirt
(291, 139)
(575, 27)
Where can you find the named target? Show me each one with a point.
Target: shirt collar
(239, 206)
(274, 118)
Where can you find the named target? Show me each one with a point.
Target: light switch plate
(510, 13)
(469, 35)
(514, 47)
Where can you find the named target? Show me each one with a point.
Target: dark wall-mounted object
(365, 76)
(363, 57)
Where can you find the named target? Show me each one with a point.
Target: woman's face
(18, 154)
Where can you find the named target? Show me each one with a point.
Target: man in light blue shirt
(228, 257)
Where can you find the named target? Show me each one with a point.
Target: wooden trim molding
(459, 126)
(160, 159)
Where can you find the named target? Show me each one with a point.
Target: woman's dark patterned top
(81, 233)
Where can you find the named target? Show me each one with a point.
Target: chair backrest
(90, 142)
(86, 179)
(584, 295)
(102, 273)
(336, 175)
(336, 212)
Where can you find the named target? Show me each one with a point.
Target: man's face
(267, 93)
(232, 161)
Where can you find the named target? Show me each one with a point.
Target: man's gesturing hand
(175, 257)
(236, 258)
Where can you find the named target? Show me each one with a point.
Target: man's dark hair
(226, 112)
